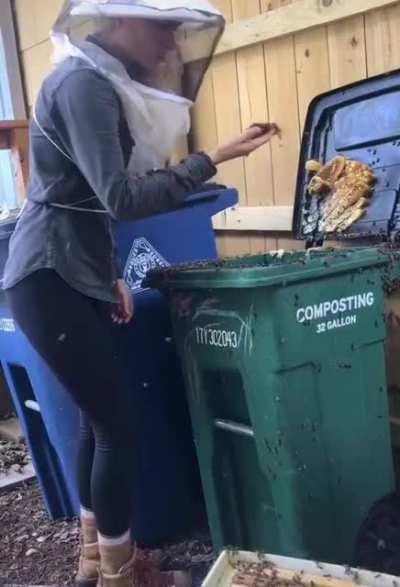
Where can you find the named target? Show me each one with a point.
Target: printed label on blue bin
(142, 258)
(7, 325)
(338, 313)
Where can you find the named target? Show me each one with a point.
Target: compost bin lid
(362, 122)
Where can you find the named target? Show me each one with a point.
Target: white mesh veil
(199, 27)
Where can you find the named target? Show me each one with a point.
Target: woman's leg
(69, 332)
(89, 560)
(85, 464)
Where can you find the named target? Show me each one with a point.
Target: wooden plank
(35, 19)
(228, 122)
(255, 218)
(13, 124)
(26, 23)
(20, 161)
(204, 135)
(382, 29)
(284, 110)
(37, 64)
(290, 244)
(290, 576)
(254, 108)
(287, 20)
(312, 67)
(283, 105)
(12, 480)
(46, 13)
(347, 55)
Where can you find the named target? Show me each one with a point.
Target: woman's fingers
(261, 140)
(256, 136)
(264, 128)
(251, 144)
(253, 137)
(122, 311)
(119, 315)
(127, 307)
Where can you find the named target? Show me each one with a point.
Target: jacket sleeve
(90, 111)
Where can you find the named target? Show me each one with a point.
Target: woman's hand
(122, 311)
(254, 137)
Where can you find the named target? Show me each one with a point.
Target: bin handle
(230, 426)
(32, 405)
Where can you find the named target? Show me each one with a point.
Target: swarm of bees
(263, 574)
(345, 187)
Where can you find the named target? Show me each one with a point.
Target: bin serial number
(224, 339)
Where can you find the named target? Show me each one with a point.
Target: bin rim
(217, 276)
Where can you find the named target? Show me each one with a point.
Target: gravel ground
(13, 456)
(37, 551)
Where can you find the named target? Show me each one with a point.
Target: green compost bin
(283, 356)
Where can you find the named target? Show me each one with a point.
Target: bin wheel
(378, 542)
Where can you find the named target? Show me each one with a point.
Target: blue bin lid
(360, 121)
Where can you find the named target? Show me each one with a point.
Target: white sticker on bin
(7, 325)
(142, 258)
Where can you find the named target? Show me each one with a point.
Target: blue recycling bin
(163, 455)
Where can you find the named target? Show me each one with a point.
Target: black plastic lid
(362, 122)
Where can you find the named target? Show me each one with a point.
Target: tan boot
(89, 560)
(116, 566)
(125, 566)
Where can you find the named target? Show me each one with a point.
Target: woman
(106, 122)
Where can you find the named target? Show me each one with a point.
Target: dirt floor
(36, 551)
(13, 456)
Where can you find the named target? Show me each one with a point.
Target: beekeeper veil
(156, 101)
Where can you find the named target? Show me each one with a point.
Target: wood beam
(299, 16)
(255, 218)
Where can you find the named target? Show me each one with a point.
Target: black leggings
(72, 333)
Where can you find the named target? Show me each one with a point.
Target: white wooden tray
(313, 574)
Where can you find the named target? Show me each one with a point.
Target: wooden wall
(268, 81)
(34, 20)
(276, 81)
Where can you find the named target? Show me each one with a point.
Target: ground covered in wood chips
(36, 551)
(13, 456)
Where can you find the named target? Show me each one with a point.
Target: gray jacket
(82, 114)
